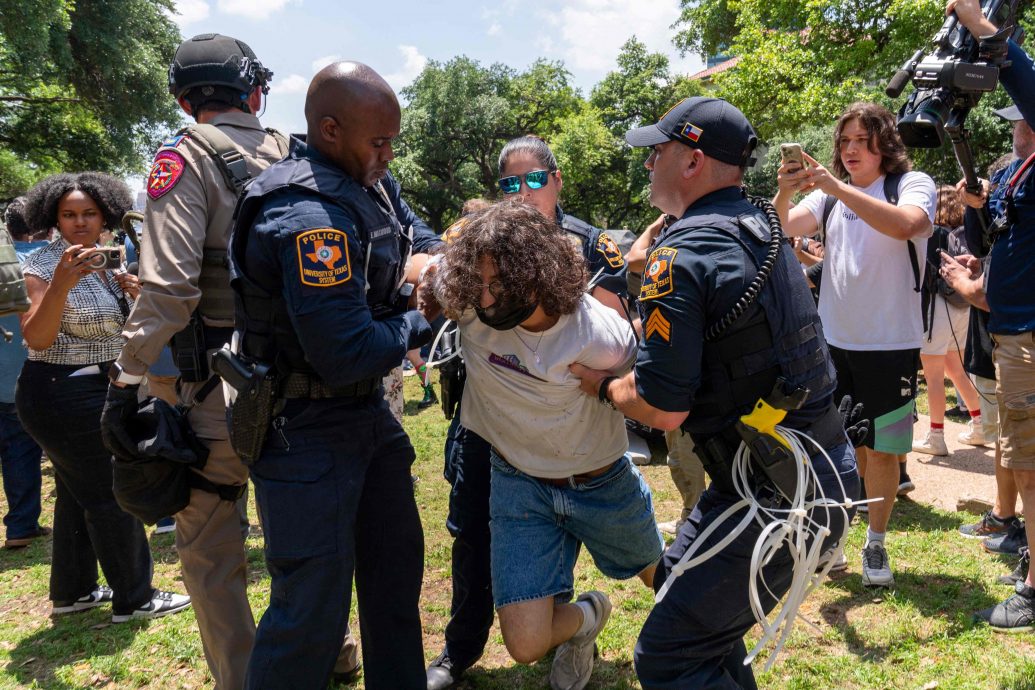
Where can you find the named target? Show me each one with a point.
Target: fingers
(810, 160)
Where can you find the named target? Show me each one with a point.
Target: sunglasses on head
(536, 179)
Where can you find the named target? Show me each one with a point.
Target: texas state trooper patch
(610, 250)
(165, 173)
(323, 257)
(657, 276)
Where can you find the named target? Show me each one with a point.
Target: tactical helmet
(219, 62)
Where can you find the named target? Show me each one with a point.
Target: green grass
(920, 636)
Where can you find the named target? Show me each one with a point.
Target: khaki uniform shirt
(189, 207)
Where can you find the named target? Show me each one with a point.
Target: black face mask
(504, 316)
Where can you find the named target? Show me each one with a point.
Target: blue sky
(295, 38)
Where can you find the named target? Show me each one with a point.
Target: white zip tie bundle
(434, 346)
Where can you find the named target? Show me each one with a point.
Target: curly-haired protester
(73, 330)
(560, 476)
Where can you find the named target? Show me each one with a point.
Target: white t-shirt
(521, 397)
(867, 301)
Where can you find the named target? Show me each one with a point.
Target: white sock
(874, 536)
(589, 617)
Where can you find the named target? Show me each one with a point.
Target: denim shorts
(537, 530)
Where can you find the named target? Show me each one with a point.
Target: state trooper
(710, 351)
(192, 189)
(318, 258)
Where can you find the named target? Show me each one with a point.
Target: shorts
(537, 530)
(949, 331)
(884, 381)
(986, 390)
(1014, 357)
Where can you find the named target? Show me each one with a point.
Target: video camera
(950, 81)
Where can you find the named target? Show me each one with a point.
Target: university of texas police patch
(657, 276)
(609, 248)
(165, 173)
(323, 257)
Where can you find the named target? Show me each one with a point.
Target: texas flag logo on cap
(692, 132)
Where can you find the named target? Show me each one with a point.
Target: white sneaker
(933, 443)
(161, 604)
(573, 661)
(973, 436)
(671, 527)
(876, 566)
(837, 559)
(101, 594)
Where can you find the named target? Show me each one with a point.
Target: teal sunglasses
(536, 179)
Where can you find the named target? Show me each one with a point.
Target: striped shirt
(91, 323)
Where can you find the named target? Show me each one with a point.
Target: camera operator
(1012, 304)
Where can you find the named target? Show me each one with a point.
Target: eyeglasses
(495, 288)
(536, 179)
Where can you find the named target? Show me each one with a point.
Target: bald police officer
(185, 293)
(702, 364)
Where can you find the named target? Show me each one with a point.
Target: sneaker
(988, 526)
(671, 527)
(165, 525)
(1016, 614)
(23, 541)
(442, 673)
(1015, 538)
(100, 595)
(876, 566)
(905, 484)
(161, 604)
(1019, 572)
(973, 436)
(933, 443)
(956, 413)
(429, 398)
(573, 661)
(835, 554)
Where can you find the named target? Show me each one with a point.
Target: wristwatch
(602, 391)
(121, 377)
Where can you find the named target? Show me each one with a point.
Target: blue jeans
(693, 638)
(20, 459)
(336, 499)
(471, 610)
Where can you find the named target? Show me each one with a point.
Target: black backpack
(891, 194)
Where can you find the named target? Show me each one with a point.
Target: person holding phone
(74, 331)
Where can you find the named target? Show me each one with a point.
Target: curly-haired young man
(560, 477)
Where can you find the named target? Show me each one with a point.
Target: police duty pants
(336, 499)
(468, 471)
(693, 638)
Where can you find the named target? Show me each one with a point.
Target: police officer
(703, 363)
(528, 172)
(318, 255)
(185, 294)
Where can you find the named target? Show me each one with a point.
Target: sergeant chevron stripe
(658, 324)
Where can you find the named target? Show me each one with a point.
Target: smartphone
(791, 153)
(105, 258)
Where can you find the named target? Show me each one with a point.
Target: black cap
(713, 125)
(218, 61)
(1013, 113)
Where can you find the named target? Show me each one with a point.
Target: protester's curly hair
(535, 261)
(950, 210)
(111, 195)
(879, 122)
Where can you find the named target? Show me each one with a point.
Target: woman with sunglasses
(529, 173)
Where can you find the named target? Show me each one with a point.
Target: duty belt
(299, 385)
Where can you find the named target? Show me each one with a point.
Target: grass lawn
(919, 636)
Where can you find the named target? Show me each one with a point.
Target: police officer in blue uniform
(318, 256)
(528, 171)
(709, 353)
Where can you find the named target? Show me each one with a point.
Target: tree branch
(33, 99)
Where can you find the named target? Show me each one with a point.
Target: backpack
(14, 297)
(891, 194)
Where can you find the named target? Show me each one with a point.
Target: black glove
(857, 427)
(419, 332)
(119, 409)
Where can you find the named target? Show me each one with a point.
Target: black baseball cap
(713, 125)
(1013, 113)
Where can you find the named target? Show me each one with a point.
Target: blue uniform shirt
(603, 256)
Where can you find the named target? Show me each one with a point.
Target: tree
(82, 86)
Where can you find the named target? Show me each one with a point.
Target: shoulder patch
(658, 325)
(323, 257)
(657, 276)
(173, 141)
(610, 250)
(165, 172)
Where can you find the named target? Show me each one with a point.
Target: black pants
(336, 499)
(470, 614)
(63, 414)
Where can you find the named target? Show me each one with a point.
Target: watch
(605, 383)
(118, 375)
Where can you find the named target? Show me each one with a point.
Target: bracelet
(605, 383)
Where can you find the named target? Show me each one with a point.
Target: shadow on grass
(17, 559)
(614, 675)
(1023, 679)
(910, 516)
(67, 641)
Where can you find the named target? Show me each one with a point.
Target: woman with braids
(73, 331)
(516, 286)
